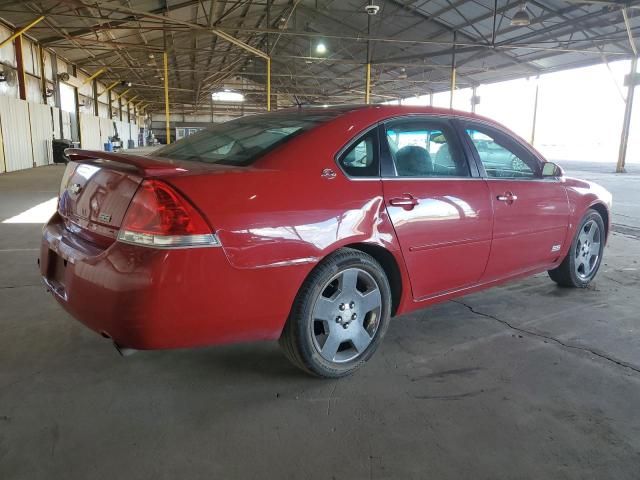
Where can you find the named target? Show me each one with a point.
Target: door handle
(407, 202)
(507, 197)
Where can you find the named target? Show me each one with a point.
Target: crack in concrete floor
(550, 338)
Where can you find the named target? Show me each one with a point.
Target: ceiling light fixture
(227, 96)
(321, 48)
(521, 17)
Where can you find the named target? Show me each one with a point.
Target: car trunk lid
(98, 187)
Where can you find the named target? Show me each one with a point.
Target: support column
(22, 79)
(56, 86)
(367, 93)
(43, 77)
(94, 87)
(453, 70)
(76, 96)
(268, 84)
(474, 96)
(166, 97)
(535, 112)
(632, 80)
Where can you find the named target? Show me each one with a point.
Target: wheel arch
(390, 266)
(604, 213)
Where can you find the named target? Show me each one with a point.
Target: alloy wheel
(346, 315)
(587, 252)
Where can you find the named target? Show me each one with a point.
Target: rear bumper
(147, 298)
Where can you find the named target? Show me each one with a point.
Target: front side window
(500, 158)
(361, 158)
(421, 148)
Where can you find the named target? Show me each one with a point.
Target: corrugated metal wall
(41, 133)
(16, 133)
(90, 132)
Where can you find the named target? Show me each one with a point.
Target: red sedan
(313, 226)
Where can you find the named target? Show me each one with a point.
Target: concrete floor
(523, 381)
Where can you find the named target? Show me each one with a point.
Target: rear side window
(240, 142)
(361, 158)
(423, 148)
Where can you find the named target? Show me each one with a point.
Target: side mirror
(550, 169)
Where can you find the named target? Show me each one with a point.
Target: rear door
(531, 213)
(439, 206)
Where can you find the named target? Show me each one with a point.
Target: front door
(440, 212)
(530, 212)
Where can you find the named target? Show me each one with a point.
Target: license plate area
(56, 271)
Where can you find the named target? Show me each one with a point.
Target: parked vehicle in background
(312, 226)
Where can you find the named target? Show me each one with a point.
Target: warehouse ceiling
(410, 44)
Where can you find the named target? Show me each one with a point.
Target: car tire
(339, 316)
(583, 259)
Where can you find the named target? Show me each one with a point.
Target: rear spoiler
(147, 167)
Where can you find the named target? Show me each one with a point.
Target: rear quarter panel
(283, 213)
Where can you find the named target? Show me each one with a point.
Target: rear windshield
(240, 142)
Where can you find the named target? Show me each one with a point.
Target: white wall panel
(5, 88)
(28, 57)
(90, 132)
(34, 92)
(41, 133)
(123, 132)
(103, 110)
(2, 168)
(66, 125)
(16, 133)
(56, 122)
(48, 63)
(63, 66)
(8, 52)
(106, 130)
(85, 89)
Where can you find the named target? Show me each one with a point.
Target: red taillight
(160, 216)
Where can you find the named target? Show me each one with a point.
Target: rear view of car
(129, 254)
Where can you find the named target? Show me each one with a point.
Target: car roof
(383, 111)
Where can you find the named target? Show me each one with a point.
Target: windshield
(240, 142)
